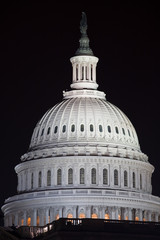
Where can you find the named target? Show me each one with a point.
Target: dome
(84, 121)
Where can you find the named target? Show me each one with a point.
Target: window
(123, 131)
(129, 133)
(64, 128)
(49, 178)
(115, 177)
(72, 128)
(91, 72)
(37, 132)
(82, 215)
(28, 221)
(134, 180)
(91, 128)
(70, 176)
(55, 129)
(82, 176)
(82, 127)
(140, 181)
(125, 178)
(42, 132)
(32, 181)
(116, 128)
(94, 215)
(40, 179)
(93, 175)
(106, 216)
(100, 128)
(59, 176)
(48, 131)
(105, 176)
(109, 129)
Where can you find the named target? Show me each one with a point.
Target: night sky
(37, 39)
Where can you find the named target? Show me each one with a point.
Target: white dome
(88, 121)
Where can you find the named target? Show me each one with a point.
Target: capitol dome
(84, 159)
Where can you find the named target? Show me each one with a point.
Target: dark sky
(37, 39)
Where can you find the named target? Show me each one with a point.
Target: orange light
(82, 215)
(94, 215)
(106, 216)
(29, 221)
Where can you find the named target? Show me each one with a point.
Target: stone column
(16, 219)
(140, 215)
(35, 217)
(149, 216)
(130, 214)
(47, 215)
(156, 217)
(116, 213)
(25, 218)
(88, 212)
(113, 213)
(60, 213)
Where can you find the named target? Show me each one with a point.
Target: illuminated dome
(85, 125)
(84, 159)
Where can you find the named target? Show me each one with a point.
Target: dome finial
(84, 48)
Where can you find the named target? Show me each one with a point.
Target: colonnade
(42, 216)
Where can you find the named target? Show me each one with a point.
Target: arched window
(105, 176)
(28, 221)
(106, 216)
(82, 215)
(69, 215)
(72, 128)
(123, 131)
(42, 132)
(64, 128)
(55, 129)
(94, 215)
(125, 178)
(48, 131)
(93, 175)
(40, 179)
(49, 178)
(82, 176)
(59, 176)
(100, 128)
(82, 128)
(109, 129)
(134, 179)
(70, 176)
(140, 181)
(91, 128)
(129, 133)
(116, 128)
(32, 181)
(115, 177)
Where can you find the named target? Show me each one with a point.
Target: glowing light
(119, 217)
(57, 216)
(37, 220)
(69, 215)
(82, 215)
(106, 216)
(126, 218)
(94, 215)
(136, 218)
(29, 221)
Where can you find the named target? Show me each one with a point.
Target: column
(75, 212)
(35, 217)
(156, 217)
(116, 213)
(149, 216)
(140, 215)
(60, 213)
(88, 212)
(129, 214)
(113, 213)
(24, 217)
(16, 219)
(47, 215)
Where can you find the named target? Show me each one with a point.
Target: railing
(90, 225)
